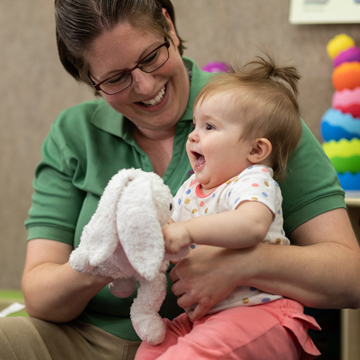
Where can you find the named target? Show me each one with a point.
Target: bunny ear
(100, 234)
(139, 228)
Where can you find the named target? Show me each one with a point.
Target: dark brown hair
(265, 94)
(80, 22)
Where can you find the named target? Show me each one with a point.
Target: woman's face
(121, 49)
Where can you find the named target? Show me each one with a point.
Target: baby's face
(215, 148)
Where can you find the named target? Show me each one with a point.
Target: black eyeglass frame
(138, 66)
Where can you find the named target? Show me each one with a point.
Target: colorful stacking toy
(340, 125)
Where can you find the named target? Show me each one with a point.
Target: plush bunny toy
(124, 240)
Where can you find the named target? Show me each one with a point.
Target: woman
(143, 120)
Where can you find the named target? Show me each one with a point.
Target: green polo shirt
(89, 143)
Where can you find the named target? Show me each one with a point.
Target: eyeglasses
(151, 62)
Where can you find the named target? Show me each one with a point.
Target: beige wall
(34, 88)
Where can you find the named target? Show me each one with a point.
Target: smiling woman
(124, 47)
(146, 125)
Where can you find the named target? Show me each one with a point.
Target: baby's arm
(244, 227)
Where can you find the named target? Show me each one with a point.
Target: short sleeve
(56, 202)
(311, 186)
(254, 184)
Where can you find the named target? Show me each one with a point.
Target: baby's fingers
(171, 247)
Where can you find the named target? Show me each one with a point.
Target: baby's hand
(176, 237)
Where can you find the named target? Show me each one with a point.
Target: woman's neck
(141, 134)
(157, 145)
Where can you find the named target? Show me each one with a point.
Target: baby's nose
(193, 136)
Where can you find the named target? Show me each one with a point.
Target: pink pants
(273, 331)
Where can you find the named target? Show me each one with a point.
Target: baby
(246, 124)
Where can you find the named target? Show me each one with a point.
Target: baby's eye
(209, 127)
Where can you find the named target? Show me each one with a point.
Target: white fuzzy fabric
(124, 240)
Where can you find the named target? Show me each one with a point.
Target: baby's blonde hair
(266, 95)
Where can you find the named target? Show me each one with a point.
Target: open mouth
(156, 100)
(200, 160)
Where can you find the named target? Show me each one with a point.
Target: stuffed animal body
(124, 240)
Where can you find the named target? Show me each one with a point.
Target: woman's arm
(52, 290)
(246, 226)
(323, 272)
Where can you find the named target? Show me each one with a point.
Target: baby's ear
(261, 149)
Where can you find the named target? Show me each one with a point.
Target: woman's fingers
(203, 278)
(198, 313)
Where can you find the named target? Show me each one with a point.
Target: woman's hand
(52, 290)
(206, 276)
